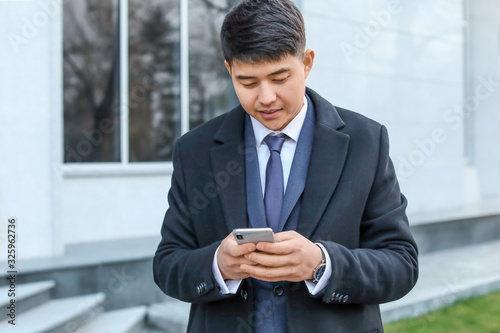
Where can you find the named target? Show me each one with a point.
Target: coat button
(278, 291)
(244, 294)
(202, 287)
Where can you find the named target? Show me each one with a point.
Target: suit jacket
(351, 203)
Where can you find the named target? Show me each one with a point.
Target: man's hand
(292, 258)
(230, 258)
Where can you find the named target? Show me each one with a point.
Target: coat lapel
(228, 160)
(328, 156)
(300, 164)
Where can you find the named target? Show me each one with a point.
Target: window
(211, 91)
(121, 95)
(139, 73)
(91, 49)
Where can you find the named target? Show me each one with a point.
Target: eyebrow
(279, 71)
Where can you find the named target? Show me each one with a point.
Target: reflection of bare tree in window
(92, 75)
(154, 80)
(91, 81)
(210, 88)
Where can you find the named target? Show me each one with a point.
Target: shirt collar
(292, 130)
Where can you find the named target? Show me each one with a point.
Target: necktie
(273, 195)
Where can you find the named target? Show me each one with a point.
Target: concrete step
(129, 320)
(467, 225)
(118, 268)
(448, 276)
(27, 295)
(171, 316)
(57, 316)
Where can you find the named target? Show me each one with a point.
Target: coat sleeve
(384, 267)
(181, 268)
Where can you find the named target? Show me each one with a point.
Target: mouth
(269, 114)
(269, 111)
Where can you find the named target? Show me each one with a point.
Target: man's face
(272, 92)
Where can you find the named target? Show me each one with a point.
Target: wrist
(320, 256)
(319, 270)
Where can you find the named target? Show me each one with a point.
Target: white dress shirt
(292, 131)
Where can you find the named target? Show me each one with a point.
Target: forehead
(286, 63)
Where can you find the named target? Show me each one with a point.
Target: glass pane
(154, 79)
(91, 81)
(211, 92)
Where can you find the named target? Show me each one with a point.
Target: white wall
(483, 91)
(29, 90)
(402, 64)
(96, 208)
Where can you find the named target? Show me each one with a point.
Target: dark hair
(262, 30)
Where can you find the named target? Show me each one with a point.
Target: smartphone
(253, 235)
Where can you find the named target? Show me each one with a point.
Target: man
(319, 175)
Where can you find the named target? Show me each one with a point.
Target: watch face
(318, 273)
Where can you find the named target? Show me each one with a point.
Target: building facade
(93, 95)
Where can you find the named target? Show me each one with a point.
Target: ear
(228, 66)
(308, 61)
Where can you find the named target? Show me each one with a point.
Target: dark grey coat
(351, 204)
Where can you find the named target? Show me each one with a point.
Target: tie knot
(275, 143)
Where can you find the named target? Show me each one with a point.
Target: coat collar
(327, 161)
(232, 128)
(326, 113)
(228, 163)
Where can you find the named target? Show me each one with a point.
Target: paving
(447, 276)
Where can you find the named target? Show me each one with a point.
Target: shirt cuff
(315, 288)
(226, 287)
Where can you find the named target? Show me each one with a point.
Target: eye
(280, 80)
(248, 85)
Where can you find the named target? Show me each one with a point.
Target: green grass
(474, 315)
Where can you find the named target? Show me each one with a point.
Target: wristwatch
(320, 270)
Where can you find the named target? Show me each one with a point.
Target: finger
(233, 249)
(270, 260)
(239, 250)
(281, 248)
(271, 274)
(230, 267)
(286, 235)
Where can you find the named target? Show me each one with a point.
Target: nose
(267, 95)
